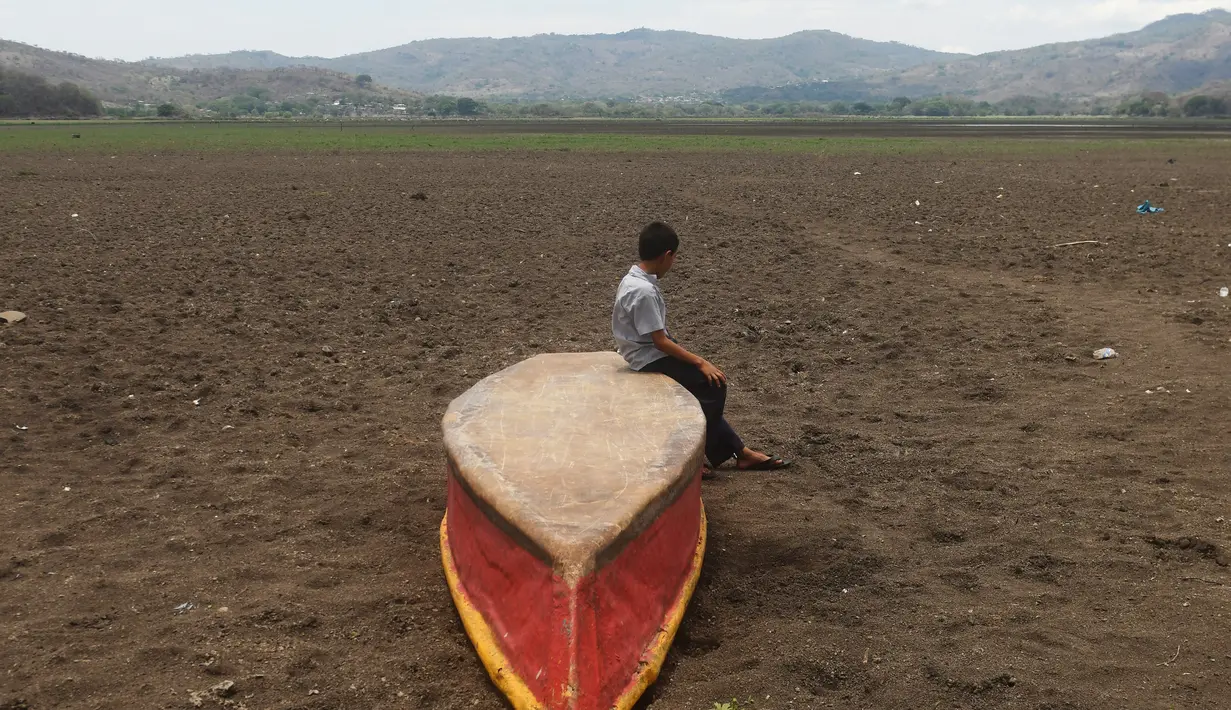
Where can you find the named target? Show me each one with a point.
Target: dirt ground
(228, 392)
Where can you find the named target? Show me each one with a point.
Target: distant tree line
(1161, 105)
(25, 95)
(1156, 105)
(853, 98)
(257, 102)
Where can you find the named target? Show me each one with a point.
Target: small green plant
(733, 705)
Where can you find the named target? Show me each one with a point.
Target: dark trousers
(721, 441)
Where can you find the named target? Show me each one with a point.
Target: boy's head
(657, 246)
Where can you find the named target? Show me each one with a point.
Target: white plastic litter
(1105, 354)
(1224, 292)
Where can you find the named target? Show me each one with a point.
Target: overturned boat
(574, 531)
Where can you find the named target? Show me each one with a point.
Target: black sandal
(773, 463)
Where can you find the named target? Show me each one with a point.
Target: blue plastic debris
(1147, 208)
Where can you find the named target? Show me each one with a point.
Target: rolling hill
(1174, 55)
(635, 63)
(130, 82)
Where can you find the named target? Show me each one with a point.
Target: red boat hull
(594, 644)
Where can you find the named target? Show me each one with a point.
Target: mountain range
(635, 63)
(1178, 54)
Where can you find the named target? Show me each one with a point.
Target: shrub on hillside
(24, 95)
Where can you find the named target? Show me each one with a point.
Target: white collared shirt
(639, 311)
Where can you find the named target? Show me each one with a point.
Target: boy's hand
(713, 374)
(670, 347)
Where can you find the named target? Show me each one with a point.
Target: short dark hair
(657, 239)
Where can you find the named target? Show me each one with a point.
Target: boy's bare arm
(677, 351)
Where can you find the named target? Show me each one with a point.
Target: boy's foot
(749, 460)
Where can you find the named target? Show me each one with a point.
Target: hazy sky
(135, 29)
